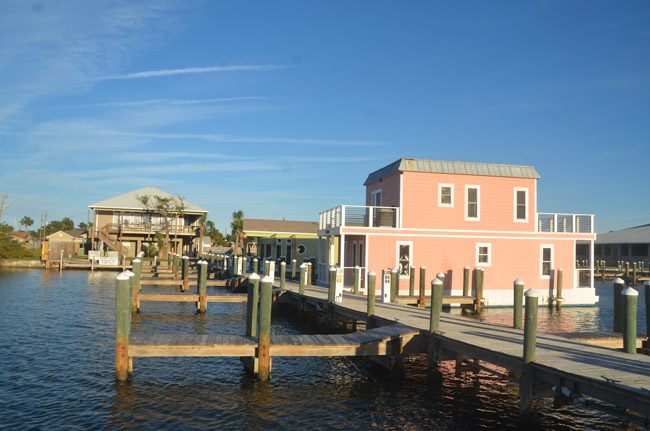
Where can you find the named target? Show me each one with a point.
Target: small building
(123, 224)
(629, 245)
(281, 240)
(71, 241)
(449, 215)
(22, 236)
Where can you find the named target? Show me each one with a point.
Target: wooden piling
(122, 326)
(133, 294)
(267, 268)
(293, 269)
(264, 339)
(411, 281)
(201, 284)
(629, 299)
(61, 261)
(255, 265)
(331, 291)
(423, 275)
(478, 292)
(530, 336)
(627, 272)
(466, 277)
(559, 299)
(518, 303)
(252, 304)
(244, 262)
(436, 305)
(185, 271)
(357, 280)
(175, 262)
(618, 287)
(394, 283)
(309, 273)
(372, 280)
(283, 275)
(303, 279)
(634, 272)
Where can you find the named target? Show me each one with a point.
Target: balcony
(565, 223)
(359, 216)
(151, 228)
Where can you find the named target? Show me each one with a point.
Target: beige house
(71, 242)
(123, 224)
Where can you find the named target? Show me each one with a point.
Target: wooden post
(133, 293)
(630, 298)
(264, 339)
(92, 265)
(423, 277)
(646, 287)
(201, 286)
(283, 274)
(634, 279)
(627, 272)
(559, 299)
(175, 263)
(394, 284)
(303, 279)
(122, 326)
(169, 259)
(293, 269)
(530, 335)
(372, 280)
(136, 267)
(186, 274)
(411, 281)
(309, 273)
(518, 303)
(255, 265)
(619, 285)
(331, 291)
(466, 276)
(267, 268)
(61, 261)
(252, 304)
(357, 280)
(478, 293)
(243, 266)
(436, 305)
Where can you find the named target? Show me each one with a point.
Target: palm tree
(237, 226)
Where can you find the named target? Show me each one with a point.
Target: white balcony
(359, 216)
(565, 223)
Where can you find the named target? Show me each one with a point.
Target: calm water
(56, 372)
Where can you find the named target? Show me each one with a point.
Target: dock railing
(565, 223)
(359, 216)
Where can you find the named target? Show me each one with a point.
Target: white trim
(514, 215)
(489, 254)
(471, 236)
(524, 232)
(541, 260)
(365, 257)
(478, 202)
(379, 192)
(341, 251)
(443, 205)
(397, 246)
(401, 197)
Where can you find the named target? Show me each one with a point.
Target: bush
(12, 249)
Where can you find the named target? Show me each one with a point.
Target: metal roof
(631, 235)
(129, 201)
(451, 167)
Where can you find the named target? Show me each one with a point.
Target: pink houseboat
(449, 215)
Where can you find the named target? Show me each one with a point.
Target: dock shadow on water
(57, 359)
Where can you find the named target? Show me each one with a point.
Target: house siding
(390, 190)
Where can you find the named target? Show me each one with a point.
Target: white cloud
(194, 70)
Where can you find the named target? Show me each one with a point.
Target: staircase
(110, 242)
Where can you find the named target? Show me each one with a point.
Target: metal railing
(565, 223)
(359, 216)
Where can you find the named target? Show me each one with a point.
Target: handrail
(360, 216)
(564, 223)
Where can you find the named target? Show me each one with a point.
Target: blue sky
(282, 108)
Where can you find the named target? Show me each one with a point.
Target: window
(301, 249)
(375, 198)
(445, 195)
(267, 254)
(278, 251)
(404, 258)
(483, 254)
(546, 261)
(288, 253)
(639, 250)
(521, 204)
(472, 206)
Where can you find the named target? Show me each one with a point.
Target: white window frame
(397, 246)
(378, 192)
(541, 261)
(478, 202)
(514, 215)
(440, 203)
(489, 254)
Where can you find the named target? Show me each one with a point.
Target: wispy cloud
(195, 70)
(179, 102)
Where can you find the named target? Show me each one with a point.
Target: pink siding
(421, 210)
(390, 190)
(511, 259)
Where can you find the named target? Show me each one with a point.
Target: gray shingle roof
(129, 201)
(449, 167)
(631, 235)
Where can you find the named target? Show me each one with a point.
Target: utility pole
(4, 204)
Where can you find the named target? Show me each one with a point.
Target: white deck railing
(565, 223)
(359, 216)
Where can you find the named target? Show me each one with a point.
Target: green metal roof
(450, 167)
